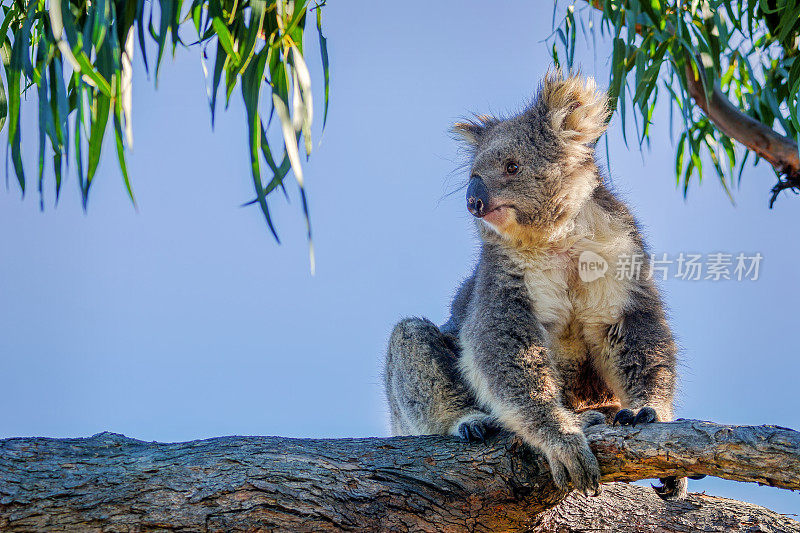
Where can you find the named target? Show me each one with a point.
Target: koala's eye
(511, 168)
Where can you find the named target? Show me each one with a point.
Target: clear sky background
(186, 321)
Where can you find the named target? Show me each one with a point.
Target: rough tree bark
(113, 483)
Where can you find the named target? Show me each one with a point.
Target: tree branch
(108, 482)
(624, 507)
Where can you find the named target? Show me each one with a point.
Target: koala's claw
(476, 430)
(671, 488)
(646, 415)
(625, 417)
(595, 493)
(471, 432)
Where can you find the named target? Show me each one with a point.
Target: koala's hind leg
(424, 388)
(643, 359)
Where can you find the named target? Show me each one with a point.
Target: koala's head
(531, 173)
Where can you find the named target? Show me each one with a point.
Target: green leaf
(100, 24)
(9, 16)
(44, 118)
(197, 16)
(257, 12)
(679, 157)
(121, 156)
(80, 90)
(225, 38)
(289, 136)
(20, 57)
(617, 72)
(3, 105)
(793, 83)
(554, 55)
(140, 30)
(572, 31)
(649, 79)
(251, 89)
(91, 75)
(304, 110)
(14, 134)
(788, 20)
(98, 129)
(280, 171)
(741, 167)
(323, 47)
(219, 65)
(60, 110)
(167, 7)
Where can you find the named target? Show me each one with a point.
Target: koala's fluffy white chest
(576, 313)
(547, 279)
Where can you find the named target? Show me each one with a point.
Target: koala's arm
(643, 357)
(505, 361)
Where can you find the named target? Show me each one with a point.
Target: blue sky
(185, 320)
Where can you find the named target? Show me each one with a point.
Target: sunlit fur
(530, 344)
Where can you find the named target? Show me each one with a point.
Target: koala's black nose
(477, 197)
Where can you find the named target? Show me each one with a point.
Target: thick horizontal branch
(767, 455)
(111, 482)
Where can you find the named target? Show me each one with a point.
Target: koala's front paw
(477, 428)
(571, 459)
(625, 417)
(591, 418)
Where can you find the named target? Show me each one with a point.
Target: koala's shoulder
(606, 200)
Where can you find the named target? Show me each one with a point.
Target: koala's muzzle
(477, 197)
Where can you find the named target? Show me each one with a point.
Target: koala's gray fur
(529, 346)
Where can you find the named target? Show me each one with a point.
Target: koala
(530, 347)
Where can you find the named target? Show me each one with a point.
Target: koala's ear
(471, 131)
(577, 110)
